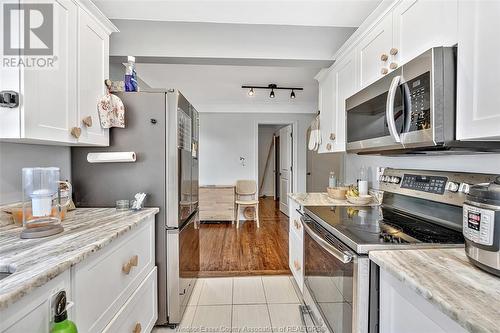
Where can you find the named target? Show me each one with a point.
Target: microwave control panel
(418, 96)
(478, 224)
(429, 184)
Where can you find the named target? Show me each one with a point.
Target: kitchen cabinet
(326, 104)
(35, 313)
(401, 310)
(478, 85)
(419, 25)
(54, 100)
(296, 244)
(93, 68)
(373, 52)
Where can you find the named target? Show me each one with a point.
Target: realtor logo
(28, 35)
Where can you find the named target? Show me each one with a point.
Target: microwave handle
(389, 109)
(344, 257)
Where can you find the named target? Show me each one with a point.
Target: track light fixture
(271, 87)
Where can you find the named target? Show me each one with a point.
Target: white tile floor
(242, 304)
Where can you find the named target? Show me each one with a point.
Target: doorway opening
(275, 163)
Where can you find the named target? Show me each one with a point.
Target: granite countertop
(322, 199)
(37, 261)
(447, 279)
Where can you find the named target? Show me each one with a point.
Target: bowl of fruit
(355, 198)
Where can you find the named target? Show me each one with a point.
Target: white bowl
(361, 200)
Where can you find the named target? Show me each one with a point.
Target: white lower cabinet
(478, 63)
(326, 104)
(113, 290)
(34, 313)
(404, 311)
(296, 244)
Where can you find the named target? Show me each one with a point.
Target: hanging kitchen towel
(111, 110)
(315, 135)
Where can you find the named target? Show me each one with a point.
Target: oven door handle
(341, 255)
(389, 108)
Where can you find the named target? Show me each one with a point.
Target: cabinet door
(49, 95)
(10, 118)
(345, 75)
(93, 68)
(327, 117)
(370, 49)
(422, 24)
(478, 85)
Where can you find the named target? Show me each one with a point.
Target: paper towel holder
(112, 157)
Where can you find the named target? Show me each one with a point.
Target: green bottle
(61, 322)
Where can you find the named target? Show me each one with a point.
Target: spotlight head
(251, 92)
(292, 95)
(272, 93)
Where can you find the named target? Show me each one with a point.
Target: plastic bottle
(332, 180)
(61, 322)
(130, 75)
(363, 181)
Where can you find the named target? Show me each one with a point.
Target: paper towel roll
(111, 157)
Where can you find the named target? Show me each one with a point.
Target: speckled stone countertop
(322, 199)
(447, 279)
(37, 261)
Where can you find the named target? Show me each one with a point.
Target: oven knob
(464, 188)
(395, 180)
(452, 186)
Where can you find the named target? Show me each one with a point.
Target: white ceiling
(327, 13)
(208, 49)
(218, 88)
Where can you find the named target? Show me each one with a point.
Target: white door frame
(295, 130)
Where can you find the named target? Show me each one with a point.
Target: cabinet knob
(137, 328)
(393, 65)
(87, 121)
(393, 51)
(384, 57)
(332, 136)
(329, 146)
(296, 265)
(76, 132)
(384, 71)
(132, 262)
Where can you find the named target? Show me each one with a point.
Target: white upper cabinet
(478, 83)
(419, 25)
(49, 95)
(53, 100)
(93, 68)
(345, 83)
(372, 50)
(327, 103)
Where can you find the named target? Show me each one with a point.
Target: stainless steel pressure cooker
(481, 226)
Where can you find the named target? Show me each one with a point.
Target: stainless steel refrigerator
(162, 128)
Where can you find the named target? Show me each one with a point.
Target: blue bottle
(131, 75)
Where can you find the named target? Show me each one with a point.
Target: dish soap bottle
(363, 181)
(332, 180)
(130, 75)
(61, 322)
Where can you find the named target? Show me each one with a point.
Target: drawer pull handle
(297, 265)
(133, 261)
(137, 328)
(297, 224)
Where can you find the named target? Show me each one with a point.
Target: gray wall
(481, 163)
(15, 156)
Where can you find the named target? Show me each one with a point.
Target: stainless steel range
(420, 209)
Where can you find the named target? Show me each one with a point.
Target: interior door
(286, 176)
(276, 182)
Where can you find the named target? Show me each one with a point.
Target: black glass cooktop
(368, 228)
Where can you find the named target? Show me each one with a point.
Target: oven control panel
(418, 97)
(429, 184)
(478, 224)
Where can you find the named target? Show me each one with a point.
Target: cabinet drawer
(103, 282)
(139, 314)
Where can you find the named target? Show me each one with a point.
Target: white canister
(363, 187)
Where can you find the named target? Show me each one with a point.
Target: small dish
(361, 200)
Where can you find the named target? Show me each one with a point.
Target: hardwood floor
(227, 251)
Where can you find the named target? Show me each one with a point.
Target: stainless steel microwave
(411, 108)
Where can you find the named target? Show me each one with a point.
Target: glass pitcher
(42, 206)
